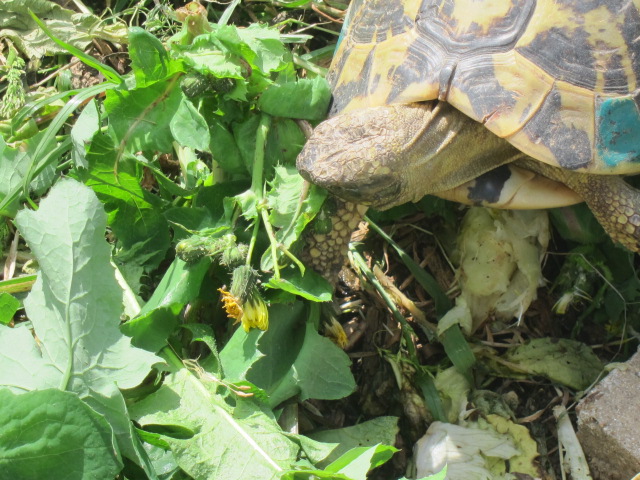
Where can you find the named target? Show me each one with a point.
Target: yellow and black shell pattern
(558, 79)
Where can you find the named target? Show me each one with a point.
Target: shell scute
(556, 78)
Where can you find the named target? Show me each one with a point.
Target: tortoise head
(361, 156)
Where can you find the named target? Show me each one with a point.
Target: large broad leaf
(43, 432)
(244, 443)
(75, 307)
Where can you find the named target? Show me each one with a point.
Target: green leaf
(150, 61)
(54, 434)
(159, 316)
(284, 142)
(75, 307)
(189, 128)
(359, 460)
(45, 149)
(207, 56)
(425, 382)
(14, 164)
(135, 214)
(224, 148)
(245, 137)
(311, 285)
(179, 285)
(577, 224)
(365, 434)
(291, 358)
(244, 443)
(257, 44)
(288, 214)
(82, 132)
(204, 333)
(458, 350)
(9, 305)
(142, 116)
(151, 330)
(306, 99)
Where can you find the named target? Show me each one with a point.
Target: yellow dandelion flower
(243, 302)
(256, 314)
(231, 305)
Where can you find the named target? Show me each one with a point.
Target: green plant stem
(405, 327)
(272, 240)
(257, 188)
(256, 177)
(310, 66)
(293, 258)
(252, 242)
(258, 156)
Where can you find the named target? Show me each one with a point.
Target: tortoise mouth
(377, 192)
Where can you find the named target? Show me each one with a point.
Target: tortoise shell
(558, 79)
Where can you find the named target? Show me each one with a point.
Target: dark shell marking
(557, 79)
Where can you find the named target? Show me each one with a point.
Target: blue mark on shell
(618, 131)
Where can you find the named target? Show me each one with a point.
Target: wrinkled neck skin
(385, 156)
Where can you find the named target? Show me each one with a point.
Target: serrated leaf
(287, 213)
(306, 99)
(135, 214)
(42, 435)
(206, 57)
(259, 45)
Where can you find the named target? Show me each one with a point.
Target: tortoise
(505, 103)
